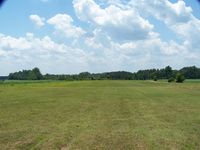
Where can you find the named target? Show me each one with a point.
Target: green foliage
(149, 74)
(120, 75)
(191, 72)
(36, 74)
(155, 78)
(168, 72)
(84, 76)
(2, 78)
(171, 79)
(33, 74)
(180, 78)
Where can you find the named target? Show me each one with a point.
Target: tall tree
(168, 72)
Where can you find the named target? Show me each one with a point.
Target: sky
(73, 36)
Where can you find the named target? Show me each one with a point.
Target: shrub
(180, 78)
(155, 78)
(171, 79)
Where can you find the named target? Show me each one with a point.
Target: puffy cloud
(8, 42)
(164, 10)
(120, 24)
(189, 33)
(64, 24)
(37, 20)
(114, 19)
(177, 16)
(53, 57)
(119, 37)
(30, 51)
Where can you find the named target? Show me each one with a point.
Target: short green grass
(106, 115)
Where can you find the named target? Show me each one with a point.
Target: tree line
(33, 74)
(150, 74)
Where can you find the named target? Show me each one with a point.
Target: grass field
(118, 115)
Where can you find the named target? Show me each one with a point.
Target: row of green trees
(179, 78)
(150, 74)
(120, 75)
(3, 78)
(33, 74)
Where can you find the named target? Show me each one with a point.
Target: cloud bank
(116, 35)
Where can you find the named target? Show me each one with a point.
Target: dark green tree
(168, 72)
(155, 78)
(36, 74)
(171, 79)
(191, 72)
(180, 78)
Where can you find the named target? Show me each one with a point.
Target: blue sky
(71, 36)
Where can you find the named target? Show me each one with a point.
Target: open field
(100, 115)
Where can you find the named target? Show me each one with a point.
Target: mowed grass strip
(100, 115)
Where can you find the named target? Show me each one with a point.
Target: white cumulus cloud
(37, 20)
(177, 16)
(29, 51)
(64, 24)
(121, 35)
(120, 24)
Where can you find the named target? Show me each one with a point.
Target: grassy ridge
(100, 115)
